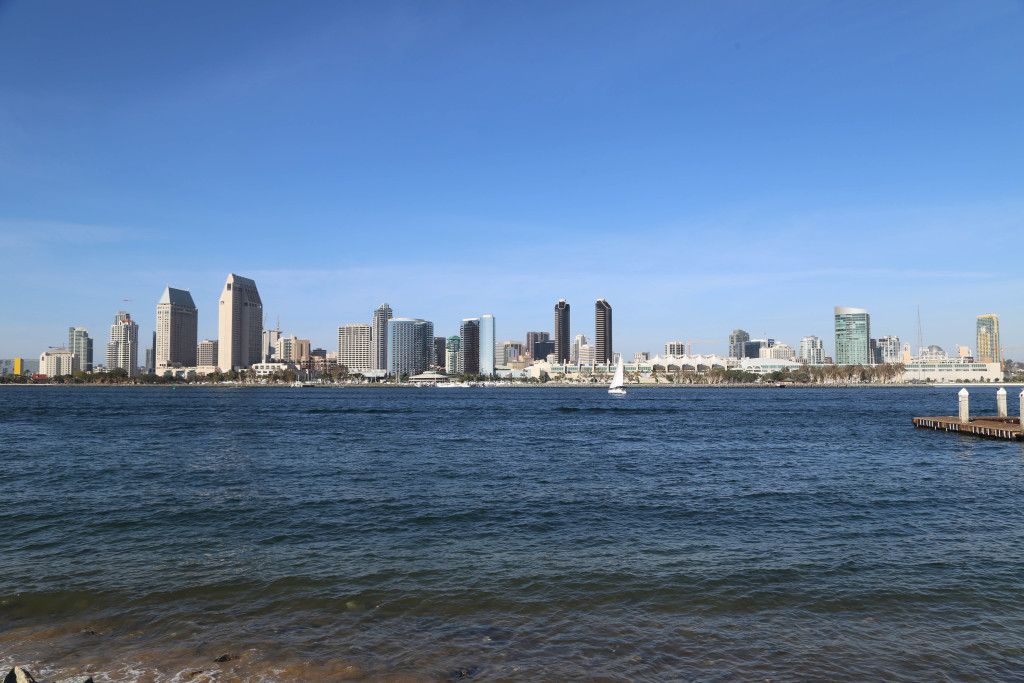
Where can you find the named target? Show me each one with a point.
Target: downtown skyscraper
(123, 347)
(410, 346)
(562, 340)
(240, 324)
(487, 340)
(379, 337)
(354, 346)
(988, 339)
(177, 325)
(853, 336)
(469, 346)
(604, 353)
(80, 344)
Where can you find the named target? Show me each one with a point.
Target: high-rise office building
(737, 344)
(240, 324)
(754, 348)
(123, 347)
(206, 353)
(812, 350)
(587, 354)
(562, 331)
(603, 331)
(150, 366)
(469, 346)
(410, 346)
(988, 339)
(177, 325)
(534, 337)
(574, 352)
(268, 348)
(379, 337)
(676, 348)
(354, 347)
(543, 349)
(487, 338)
(439, 353)
(890, 349)
(452, 365)
(80, 344)
(853, 336)
(512, 351)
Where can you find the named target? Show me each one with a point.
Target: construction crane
(690, 343)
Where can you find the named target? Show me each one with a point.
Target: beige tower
(988, 339)
(240, 331)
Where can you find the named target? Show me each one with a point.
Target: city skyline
(736, 149)
(385, 312)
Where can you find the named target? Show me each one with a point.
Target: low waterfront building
(766, 366)
(60, 362)
(777, 351)
(951, 370)
(267, 369)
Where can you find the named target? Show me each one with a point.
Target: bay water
(698, 534)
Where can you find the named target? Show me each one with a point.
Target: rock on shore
(21, 675)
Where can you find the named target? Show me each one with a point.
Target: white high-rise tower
(123, 347)
(240, 330)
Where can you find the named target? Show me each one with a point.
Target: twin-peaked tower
(603, 349)
(240, 328)
(177, 325)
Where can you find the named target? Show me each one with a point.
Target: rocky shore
(21, 675)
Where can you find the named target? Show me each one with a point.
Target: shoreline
(524, 385)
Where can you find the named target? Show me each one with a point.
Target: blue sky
(703, 166)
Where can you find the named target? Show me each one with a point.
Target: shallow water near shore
(486, 534)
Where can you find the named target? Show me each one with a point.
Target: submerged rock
(225, 658)
(76, 679)
(19, 675)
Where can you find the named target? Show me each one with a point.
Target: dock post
(965, 416)
(1022, 408)
(1001, 402)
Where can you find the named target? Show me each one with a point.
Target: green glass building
(853, 336)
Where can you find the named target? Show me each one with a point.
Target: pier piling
(992, 426)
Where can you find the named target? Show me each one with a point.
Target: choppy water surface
(514, 534)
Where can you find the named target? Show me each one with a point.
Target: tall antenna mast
(921, 344)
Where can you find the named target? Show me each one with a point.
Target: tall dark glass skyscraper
(603, 332)
(469, 346)
(562, 341)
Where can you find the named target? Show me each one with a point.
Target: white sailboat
(615, 388)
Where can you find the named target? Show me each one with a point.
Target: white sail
(617, 380)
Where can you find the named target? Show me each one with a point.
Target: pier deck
(1007, 428)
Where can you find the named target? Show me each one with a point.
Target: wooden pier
(1007, 428)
